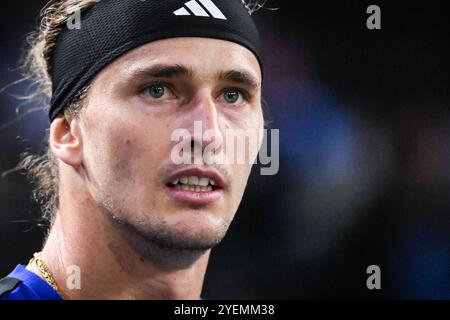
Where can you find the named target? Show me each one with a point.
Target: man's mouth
(194, 183)
(195, 186)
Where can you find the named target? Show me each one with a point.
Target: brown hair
(42, 169)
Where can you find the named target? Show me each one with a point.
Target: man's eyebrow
(176, 70)
(241, 77)
(164, 71)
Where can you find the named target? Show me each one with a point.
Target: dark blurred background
(364, 119)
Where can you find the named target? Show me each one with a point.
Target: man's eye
(232, 96)
(156, 91)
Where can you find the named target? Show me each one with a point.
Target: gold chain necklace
(45, 272)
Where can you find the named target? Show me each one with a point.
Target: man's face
(134, 106)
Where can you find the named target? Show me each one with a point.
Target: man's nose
(207, 119)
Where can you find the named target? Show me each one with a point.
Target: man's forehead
(195, 57)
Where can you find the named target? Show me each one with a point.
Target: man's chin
(195, 236)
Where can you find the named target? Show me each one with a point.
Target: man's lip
(200, 172)
(193, 197)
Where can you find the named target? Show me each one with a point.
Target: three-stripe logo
(207, 10)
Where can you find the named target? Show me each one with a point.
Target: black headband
(112, 27)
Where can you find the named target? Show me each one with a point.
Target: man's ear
(66, 140)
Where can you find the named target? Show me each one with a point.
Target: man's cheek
(118, 158)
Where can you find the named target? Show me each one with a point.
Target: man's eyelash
(162, 84)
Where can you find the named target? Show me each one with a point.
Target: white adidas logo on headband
(199, 11)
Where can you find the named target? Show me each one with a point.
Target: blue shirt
(30, 287)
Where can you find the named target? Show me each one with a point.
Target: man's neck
(116, 264)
